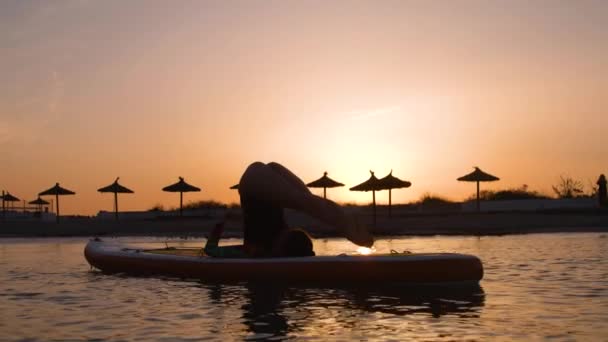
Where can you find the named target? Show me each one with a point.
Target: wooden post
(57, 207)
(389, 203)
(181, 195)
(374, 202)
(478, 206)
(116, 205)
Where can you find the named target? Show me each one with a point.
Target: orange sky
(149, 91)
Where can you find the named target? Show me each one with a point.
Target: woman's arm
(212, 248)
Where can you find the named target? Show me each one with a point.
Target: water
(536, 287)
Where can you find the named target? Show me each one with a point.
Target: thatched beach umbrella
(181, 187)
(57, 191)
(39, 202)
(7, 197)
(235, 187)
(478, 176)
(116, 189)
(391, 182)
(373, 185)
(324, 182)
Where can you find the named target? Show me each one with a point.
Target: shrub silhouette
(568, 187)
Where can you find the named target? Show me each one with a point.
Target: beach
(413, 224)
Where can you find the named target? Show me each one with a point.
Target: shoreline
(455, 224)
(555, 230)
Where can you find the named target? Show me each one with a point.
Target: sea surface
(536, 287)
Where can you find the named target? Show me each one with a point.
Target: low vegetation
(428, 199)
(521, 193)
(432, 202)
(198, 205)
(157, 207)
(568, 187)
(209, 204)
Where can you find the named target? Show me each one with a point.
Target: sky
(153, 90)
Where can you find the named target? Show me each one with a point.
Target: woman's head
(294, 243)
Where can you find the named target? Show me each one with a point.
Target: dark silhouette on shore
(478, 176)
(181, 187)
(116, 189)
(39, 202)
(373, 185)
(7, 197)
(324, 182)
(567, 188)
(601, 191)
(56, 191)
(391, 182)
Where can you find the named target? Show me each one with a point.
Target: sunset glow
(95, 90)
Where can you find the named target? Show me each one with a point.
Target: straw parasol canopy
(116, 189)
(324, 182)
(235, 187)
(7, 197)
(39, 202)
(10, 198)
(57, 191)
(391, 182)
(373, 185)
(181, 187)
(478, 176)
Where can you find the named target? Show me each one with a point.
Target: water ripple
(548, 286)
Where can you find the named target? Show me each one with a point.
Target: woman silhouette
(267, 189)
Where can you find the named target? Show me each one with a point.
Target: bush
(428, 199)
(568, 187)
(157, 207)
(521, 193)
(211, 204)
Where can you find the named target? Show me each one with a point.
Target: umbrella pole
(389, 203)
(3, 208)
(324, 196)
(181, 195)
(374, 203)
(57, 207)
(478, 206)
(116, 205)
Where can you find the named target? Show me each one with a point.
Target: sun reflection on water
(365, 250)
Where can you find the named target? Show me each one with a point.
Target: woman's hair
(294, 243)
